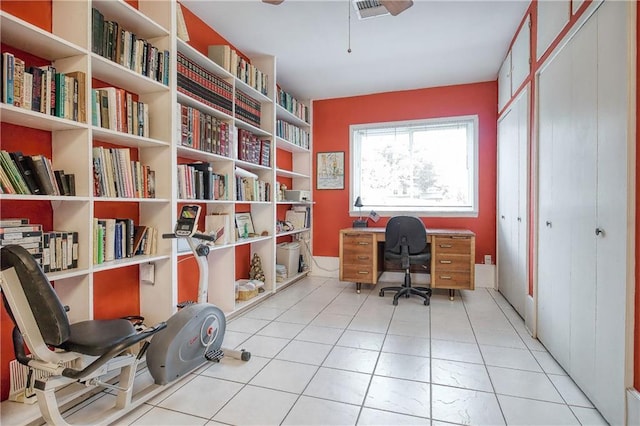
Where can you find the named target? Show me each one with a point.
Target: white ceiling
(433, 43)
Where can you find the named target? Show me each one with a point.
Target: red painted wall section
(200, 34)
(36, 12)
(331, 121)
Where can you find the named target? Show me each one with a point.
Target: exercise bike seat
(96, 337)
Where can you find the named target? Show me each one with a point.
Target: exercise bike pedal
(185, 304)
(214, 355)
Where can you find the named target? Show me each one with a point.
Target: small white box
(297, 195)
(288, 254)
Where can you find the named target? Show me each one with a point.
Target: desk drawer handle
(446, 245)
(458, 237)
(363, 243)
(445, 277)
(363, 272)
(363, 257)
(445, 261)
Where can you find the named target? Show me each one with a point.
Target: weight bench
(86, 352)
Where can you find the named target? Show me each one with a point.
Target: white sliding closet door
(585, 222)
(513, 149)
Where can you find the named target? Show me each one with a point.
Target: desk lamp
(360, 222)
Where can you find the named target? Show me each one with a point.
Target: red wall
(331, 120)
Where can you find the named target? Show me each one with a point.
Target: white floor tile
(406, 345)
(525, 384)
(285, 376)
(400, 396)
(589, 416)
(370, 324)
(500, 356)
(361, 340)
(314, 411)
(281, 329)
(570, 392)
(198, 398)
(352, 359)
(455, 351)
(234, 339)
(506, 338)
(339, 385)
(297, 317)
(404, 367)
(265, 346)
(332, 320)
(159, 417)
(256, 406)
(264, 312)
(326, 335)
(246, 325)
(466, 407)
(461, 375)
(457, 333)
(370, 416)
(520, 411)
(548, 364)
(305, 352)
(409, 328)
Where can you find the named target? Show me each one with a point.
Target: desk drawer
(356, 257)
(453, 280)
(453, 262)
(351, 241)
(452, 245)
(358, 273)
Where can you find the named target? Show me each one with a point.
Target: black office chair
(405, 240)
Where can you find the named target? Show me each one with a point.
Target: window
(422, 167)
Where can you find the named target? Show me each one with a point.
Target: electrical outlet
(487, 259)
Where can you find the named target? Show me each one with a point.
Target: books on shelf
(33, 175)
(293, 134)
(116, 175)
(43, 89)
(291, 104)
(253, 149)
(203, 86)
(119, 238)
(111, 40)
(250, 188)
(204, 132)
(247, 108)
(198, 181)
(239, 66)
(114, 108)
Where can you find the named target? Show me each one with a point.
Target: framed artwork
(330, 170)
(244, 225)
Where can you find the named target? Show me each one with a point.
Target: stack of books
(201, 85)
(33, 175)
(292, 133)
(252, 149)
(116, 175)
(204, 132)
(239, 66)
(247, 108)
(119, 238)
(291, 104)
(113, 108)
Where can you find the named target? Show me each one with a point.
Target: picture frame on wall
(330, 170)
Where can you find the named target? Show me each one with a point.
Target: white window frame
(354, 175)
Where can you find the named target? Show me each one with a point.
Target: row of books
(197, 181)
(204, 132)
(241, 68)
(198, 83)
(53, 250)
(291, 104)
(247, 108)
(116, 238)
(33, 175)
(253, 149)
(115, 109)
(110, 40)
(251, 189)
(293, 134)
(116, 175)
(43, 89)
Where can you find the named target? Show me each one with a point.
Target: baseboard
(485, 275)
(325, 267)
(633, 407)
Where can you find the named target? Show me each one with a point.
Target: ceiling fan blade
(395, 7)
(274, 2)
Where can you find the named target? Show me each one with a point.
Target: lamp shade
(358, 202)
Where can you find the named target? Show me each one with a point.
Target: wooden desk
(452, 257)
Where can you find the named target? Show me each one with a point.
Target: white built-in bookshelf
(69, 48)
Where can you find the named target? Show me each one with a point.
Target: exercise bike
(105, 353)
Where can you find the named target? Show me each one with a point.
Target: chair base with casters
(406, 241)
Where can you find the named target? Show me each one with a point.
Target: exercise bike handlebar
(196, 235)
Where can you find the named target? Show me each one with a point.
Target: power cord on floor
(309, 256)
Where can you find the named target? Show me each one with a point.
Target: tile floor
(324, 355)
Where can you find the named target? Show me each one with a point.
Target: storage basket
(246, 294)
